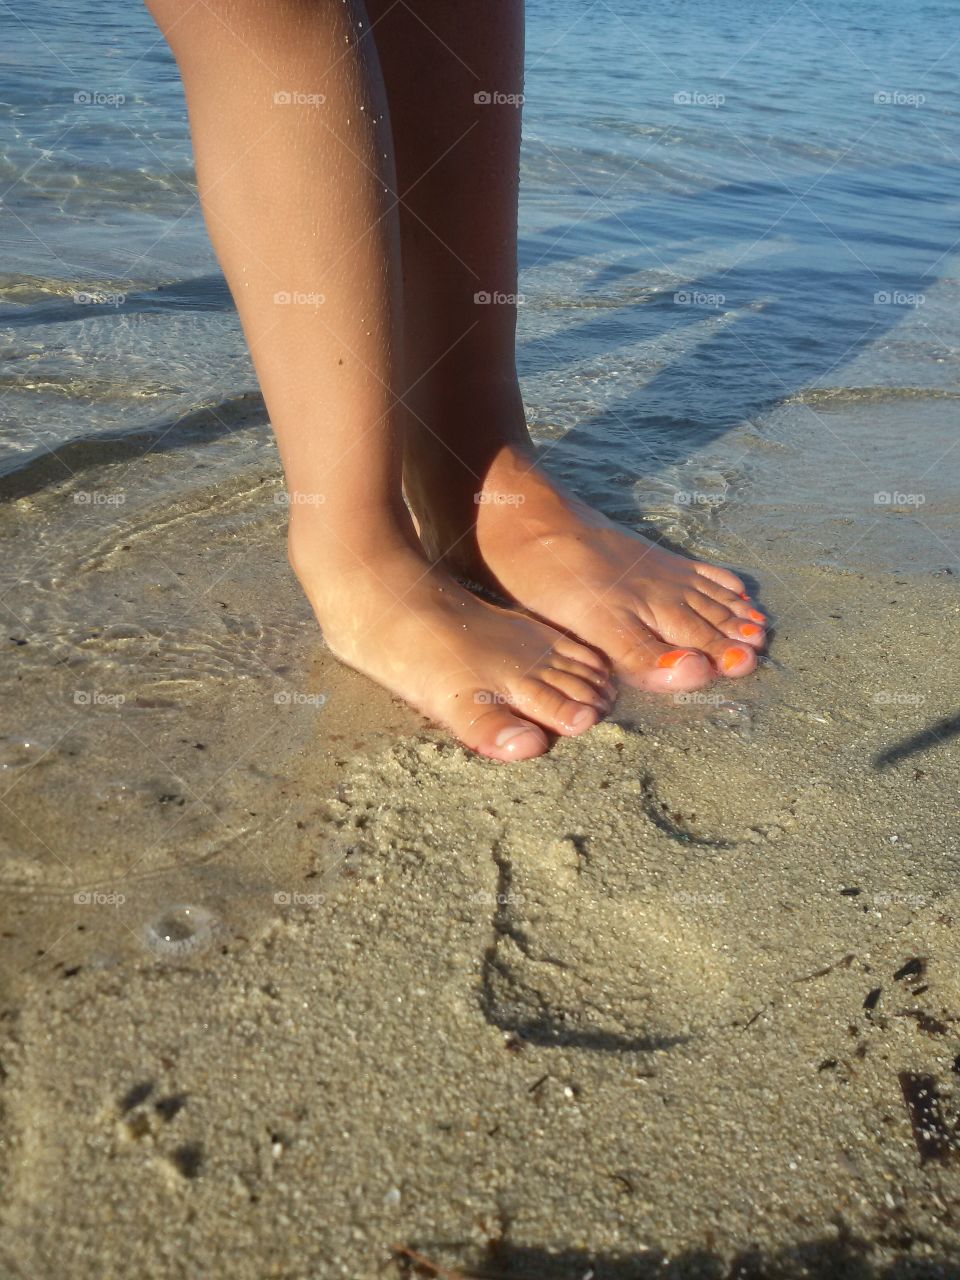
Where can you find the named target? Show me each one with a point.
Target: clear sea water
(738, 244)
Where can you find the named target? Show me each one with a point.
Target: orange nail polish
(748, 629)
(732, 658)
(756, 615)
(744, 596)
(673, 657)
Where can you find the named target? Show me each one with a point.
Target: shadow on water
(843, 1257)
(799, 313)
(202, 293)
(793, 316)
(239, 413)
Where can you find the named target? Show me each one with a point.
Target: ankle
(324, 554)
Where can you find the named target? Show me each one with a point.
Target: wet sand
(294, 987)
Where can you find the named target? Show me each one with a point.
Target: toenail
(732, 658)
(674, 656)
(506, 736)
(583, 719)
(756, 615)
(744, 596)
(748, 629)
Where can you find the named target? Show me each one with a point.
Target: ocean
(738, 246)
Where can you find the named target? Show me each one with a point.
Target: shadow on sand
(842, 1257)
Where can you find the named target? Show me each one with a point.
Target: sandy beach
(294, 987)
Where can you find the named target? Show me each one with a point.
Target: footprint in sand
(576, 962)
(613, 911)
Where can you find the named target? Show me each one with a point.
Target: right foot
(494, 678)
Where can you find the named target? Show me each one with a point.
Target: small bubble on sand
(737, 716)
(179, 931)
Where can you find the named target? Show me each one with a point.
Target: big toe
(487, 726)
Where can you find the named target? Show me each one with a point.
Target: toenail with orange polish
(756, 615)
(744, 596)
(732, 658)
(748, 629)
(674, 656)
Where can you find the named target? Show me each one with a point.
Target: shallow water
(751, 230)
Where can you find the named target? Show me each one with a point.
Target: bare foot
(665, 622)
(496, 679)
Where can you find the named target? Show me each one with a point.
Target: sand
(295, 987)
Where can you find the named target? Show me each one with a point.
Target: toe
(713, 611)
(599, 679)
(751, 632)
(729, 623)
(736, 602)
(646, 663)
(736, 660)
(488, 726)
(690, 628)
(580, 689)
(567, 648)
(680, 622)
(553, 709)
(723, 578)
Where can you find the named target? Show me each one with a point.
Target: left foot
(665, 622)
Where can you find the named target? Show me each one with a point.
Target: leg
(457, 164)
(295, 168)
